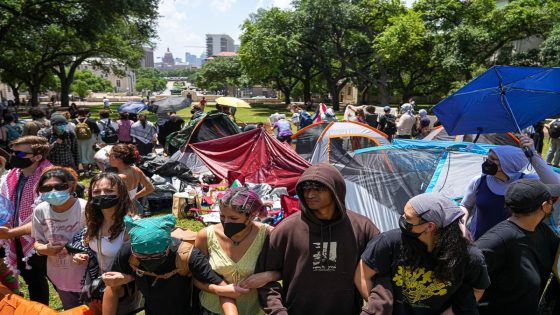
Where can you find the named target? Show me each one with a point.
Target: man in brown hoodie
(316, 250)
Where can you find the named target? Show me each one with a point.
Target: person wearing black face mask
(28, 162)
(241, 239)
(104, 235)
(433, 268)
(520, 251)
(161, 267)
(483, 202)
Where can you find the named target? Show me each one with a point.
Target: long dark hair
(94, 218)
(450, 251)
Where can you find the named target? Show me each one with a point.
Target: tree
(85, 81)
(150, 79)
(219, 73)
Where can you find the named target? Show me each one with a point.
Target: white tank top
(109, 250)
(132, 193)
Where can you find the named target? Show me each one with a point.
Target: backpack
(304, 119)
(554, 130)
(109, 134)
(83, 132)
(12, 132)
(390, 124)
(182, 257)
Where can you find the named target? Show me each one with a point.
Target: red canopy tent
(255, 155)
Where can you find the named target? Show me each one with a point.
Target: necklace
(236, 243)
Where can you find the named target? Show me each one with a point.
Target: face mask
(18, 162)
(232, 228)
(153, 264)
(104, 202)
(60, 129)
(55, 197)
(406, 228)
(489, 168)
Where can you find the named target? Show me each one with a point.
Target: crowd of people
(491, 254)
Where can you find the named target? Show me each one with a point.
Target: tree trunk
(382, 88)
(287, 98)
(34, 92)
(363, 95)
(15, 92)
(335, 94)
(306, 85)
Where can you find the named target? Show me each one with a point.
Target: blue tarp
(499, 97)
(132, 107)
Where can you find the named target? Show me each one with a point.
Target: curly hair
(94, 217)
(450, 250)
(126, 153)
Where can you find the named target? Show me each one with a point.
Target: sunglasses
(57, 187)
(21, 154)
(150, 256)
(407, 225)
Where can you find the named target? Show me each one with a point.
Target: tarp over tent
(380, 180)
(206, 127)
(255, 154)
(506, 138)
(315, 142)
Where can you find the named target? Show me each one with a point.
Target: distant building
(5, 92)
(121, 83)
(192, 59)
(168, 58)
(236, 48)
(217, 43)
(148, 60)
(202, 59)
(178, 60)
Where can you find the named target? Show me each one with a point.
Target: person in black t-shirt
(157, 274)
(432, 266)
(520, 251)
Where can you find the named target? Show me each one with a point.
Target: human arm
(147, 185)
(258, 280)
(271, 259)
(546, 174)
(363, 279)
(47, 249)
(6, 232)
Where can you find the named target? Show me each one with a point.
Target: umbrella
(232, 102)
(502, 99)
(172, 104)
(132, 107)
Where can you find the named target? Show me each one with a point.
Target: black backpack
(554, 130)
(390, 124)
(109, 134)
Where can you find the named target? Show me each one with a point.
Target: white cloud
(282, 4)
(222, 5)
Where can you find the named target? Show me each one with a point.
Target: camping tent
(507, 138)
(317, 142)
(206, 127)
(256, 155)
(380, 180)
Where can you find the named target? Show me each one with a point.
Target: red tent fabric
(255, 154)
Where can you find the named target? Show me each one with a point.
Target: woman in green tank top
(233, 248)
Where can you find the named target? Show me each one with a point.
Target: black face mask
(231, 228)
(489, 168)
(104, 202)
(406, 229)
(152, 264)
(18, 162)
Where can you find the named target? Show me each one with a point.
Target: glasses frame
(62, 186)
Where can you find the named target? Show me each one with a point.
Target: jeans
(553, 155)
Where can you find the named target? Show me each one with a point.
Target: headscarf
(435, 207)
(150, 235)
(243, 200)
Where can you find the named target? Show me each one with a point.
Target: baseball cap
(527, 195)
(386, 108)
(435, 207)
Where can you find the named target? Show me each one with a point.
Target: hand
(114, 279)
(80, 259)
(255, 281)
(231, 290)
(5, 232)
(526, 142)
(49, 249)
(59, 141)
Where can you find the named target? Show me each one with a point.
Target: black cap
(527, 195)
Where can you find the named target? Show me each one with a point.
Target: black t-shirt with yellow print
(418, 291)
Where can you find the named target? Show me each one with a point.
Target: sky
(183, 24)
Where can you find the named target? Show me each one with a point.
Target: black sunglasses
(57, 187)
(407, 225)
(21, 154)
